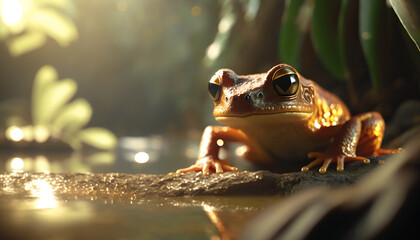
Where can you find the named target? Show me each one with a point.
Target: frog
(282, 117)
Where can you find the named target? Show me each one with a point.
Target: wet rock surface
(189, 184)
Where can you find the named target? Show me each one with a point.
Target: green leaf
(44, 76)
(291, 33)
(408, 11)
(101, 158)
(325, 36)
(342, 21)
(56, 25)
(55, 95)
(370, 21)
(26, 43)
(98, 137)
(411, 48)
(72, 117)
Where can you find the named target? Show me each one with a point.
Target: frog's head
(280, 93)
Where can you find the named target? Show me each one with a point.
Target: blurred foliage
(143, 65)
(329, 23)
(370, 21)
(56, 116)
(330, 36)
(295, 24)
(25, 24)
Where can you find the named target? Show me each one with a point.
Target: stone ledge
(110, 185)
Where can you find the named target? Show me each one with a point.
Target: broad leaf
(26, 43)
(55, 95)
(325, 37)
(370, 21)
(408, 11)
(43, 78)
(291, 33)
(72, 117)
(106, 157)
(56, 25)
(342, 21)
(98, 137)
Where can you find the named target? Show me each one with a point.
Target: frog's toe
(340, 164)
(193, 168)
(383, 151)
(208, 165)
(324, 167)
(218, 167)
(227, 168)
(311, 164)
(326, 159)
(357, 159)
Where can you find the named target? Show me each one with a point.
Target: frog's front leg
(358, 138)
(208, 159)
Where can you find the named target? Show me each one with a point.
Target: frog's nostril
(247, 96)
(227, 99)
(260, 95)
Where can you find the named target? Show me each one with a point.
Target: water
(150, 155)
(33, 210)
(48, 206)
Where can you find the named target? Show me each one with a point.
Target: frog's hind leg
(359, 138)
(371, 136)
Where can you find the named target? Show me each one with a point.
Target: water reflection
(65, 204)
(217, 222)
(151, 155)
(43, 192)
(17, 164)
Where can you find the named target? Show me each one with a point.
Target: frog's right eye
(285, 81)
(215, 88)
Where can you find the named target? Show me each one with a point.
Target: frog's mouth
(291, 113)
(284, 111)
(263, 118)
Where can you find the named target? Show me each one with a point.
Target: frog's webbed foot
(328, 157)
(208, 165)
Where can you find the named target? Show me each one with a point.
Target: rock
(383, 205)
(133, 186)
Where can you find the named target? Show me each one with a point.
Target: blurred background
(121, 85)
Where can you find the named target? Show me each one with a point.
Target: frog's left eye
(285, 82)
(215, 88)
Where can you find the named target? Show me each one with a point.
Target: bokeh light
(14, 133)
(42, 190)
(11, 11)
(17, 164)
(141, 157)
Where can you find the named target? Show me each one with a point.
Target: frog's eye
(215, 88)
(285, 82)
